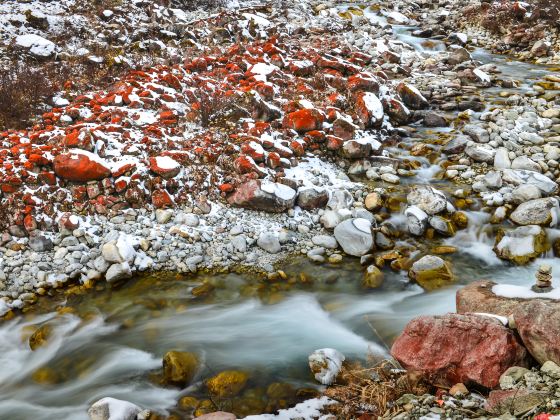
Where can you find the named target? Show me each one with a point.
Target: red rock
(369, 109)
(538, 324)
(304, 120)
(165, 166)
(68, 222)
(515, 401)
(363, 82)
(226, 188)
(81, 139)
(472, 349)
(274, 198)
(161, 199)
(334, 143)
(396, 110)
(344, 129)
(78, 167)
(411, 96)
(254, 150)
(246, 164)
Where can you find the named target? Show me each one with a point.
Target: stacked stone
(544, 279)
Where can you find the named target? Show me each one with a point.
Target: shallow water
(111, 342)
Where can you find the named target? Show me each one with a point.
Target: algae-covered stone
(521, 245)
(431, 272)
(373, 278)
(188, 403)
(46, 376)
(227, 384)
(40, 336)
(179, 367)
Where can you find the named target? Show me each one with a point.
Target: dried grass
(372, 392)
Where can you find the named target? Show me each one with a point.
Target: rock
(458, 56)
(179, 367)
(80, 166)
(523, 162)
(354, 236)
(501, 159)
(521, 245)
(312, 198)
(119, 271)
(369, 109)
(470, 349)
(417, 220)
(520, 177)
(442, 225)
(325, 241)
(514, 402)
(524, 193)
(165, 166)
(551, 369)
(325, 364)
(540, 48)
(374, 201)
(478, 297)
(373, 278)
(427, 199)
(431, 272)
(511, 376)
(304, 120)
(112, 409)
(542, 211)
(227, 384)
(477, 133)
(36, 45)
(538, 325)
(217, 415)
(412, 96)
(481, 153)
(266, 196)
(458, 390)
(432, 119)
(355, 149)
(269, 242)
(397, 111)
(344, 129)
(40, 243)
(340, 199)
(456, 145)
(163, 216)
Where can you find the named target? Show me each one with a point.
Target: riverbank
(260, 134)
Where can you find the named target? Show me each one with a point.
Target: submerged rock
(428, 199)
(472, 349)
(179, 367)
(227, 384)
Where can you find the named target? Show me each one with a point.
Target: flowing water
(110, 342)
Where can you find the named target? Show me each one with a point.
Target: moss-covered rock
(179, 367)
(373, 278)
(431, 272)
(227, 384)
(40, 337)
(521, 245)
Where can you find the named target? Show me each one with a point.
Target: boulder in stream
(521, 245)
(431, 272)
(112, 409)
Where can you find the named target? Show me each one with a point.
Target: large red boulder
(304, 120)
(471, 349)
(369, 109)
(538, 324)
(537, 320)
(266, 196)
(80, 167)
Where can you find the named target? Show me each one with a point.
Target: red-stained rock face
(251, 195)
(472, 349)
(79, 167)
(304, 120)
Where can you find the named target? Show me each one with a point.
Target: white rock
(354, 236)
(269, 242)
(325, 241)
(118, 272)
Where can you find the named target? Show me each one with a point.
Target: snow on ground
(310, 409)
(523, 292)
